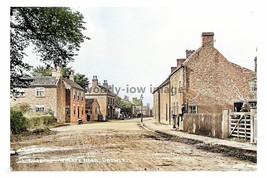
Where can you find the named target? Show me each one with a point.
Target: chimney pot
(71, 77)
(57, 72)
(189, 53)
(94, 81)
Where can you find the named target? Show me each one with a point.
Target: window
(78, 95)
(39, 108)
(192, 109)
(74, 110)
(253, 85)
(40, 91)
(74, 94)
(82, 110)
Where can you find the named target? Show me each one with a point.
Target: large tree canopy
(54, 32)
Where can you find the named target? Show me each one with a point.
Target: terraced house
(58, 95)
(205, 82)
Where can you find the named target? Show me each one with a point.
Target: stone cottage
(55, 94)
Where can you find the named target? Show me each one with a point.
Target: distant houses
(203, 82)
(62, 97)
(104, 96)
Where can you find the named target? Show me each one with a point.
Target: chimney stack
(94, 81)
(172, 69)
(71, 77)
(105, 83)
(189, 53)
(57, 72)
(207, 39)
(180, 62)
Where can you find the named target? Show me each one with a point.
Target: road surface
(120, 145)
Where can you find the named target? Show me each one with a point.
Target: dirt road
(114, 146)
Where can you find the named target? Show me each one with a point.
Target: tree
(66, 71)
(54, 32)
(126, 106)
(41, 71)
(82, 80)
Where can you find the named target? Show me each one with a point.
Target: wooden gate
(242, 125)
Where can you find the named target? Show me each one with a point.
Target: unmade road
(116, 146)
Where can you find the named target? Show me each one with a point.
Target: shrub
(23, 107)
(17, 121)
(39, 121)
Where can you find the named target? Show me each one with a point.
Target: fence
(225, 125)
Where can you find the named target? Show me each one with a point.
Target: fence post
(225, 124)
(252, 114)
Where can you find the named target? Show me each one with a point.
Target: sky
(134, 47)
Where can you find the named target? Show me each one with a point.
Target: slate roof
(44, 81)
(52, 82)
(72, 83)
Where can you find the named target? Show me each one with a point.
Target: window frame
(191, 110)
(37, 108)
(39, 89)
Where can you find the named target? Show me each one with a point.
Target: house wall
(49, 101)
(176, 95)
(213, 82)
(61, 102)
(102, 101)
(164, 104)
(75, 103)
(155, 105)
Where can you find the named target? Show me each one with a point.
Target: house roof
(44, 81)
(72, 83)
(52, 81)
(104, 88)
(165, 82)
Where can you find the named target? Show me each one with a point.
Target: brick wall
(75, 104)
(213, 82)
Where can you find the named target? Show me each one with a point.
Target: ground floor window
(192, 109)
(39, 108)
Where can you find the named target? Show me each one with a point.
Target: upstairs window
(192, 109)
(253, 85)
(40, 92)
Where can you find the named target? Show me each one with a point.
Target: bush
(39, 121)
(23, 107)
(17, 121)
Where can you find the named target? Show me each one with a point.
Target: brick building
(104, 96)
(93, 110)
(205, 81)
(60, 96)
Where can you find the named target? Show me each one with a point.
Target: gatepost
(225, 123)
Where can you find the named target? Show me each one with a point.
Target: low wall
(203, 124)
